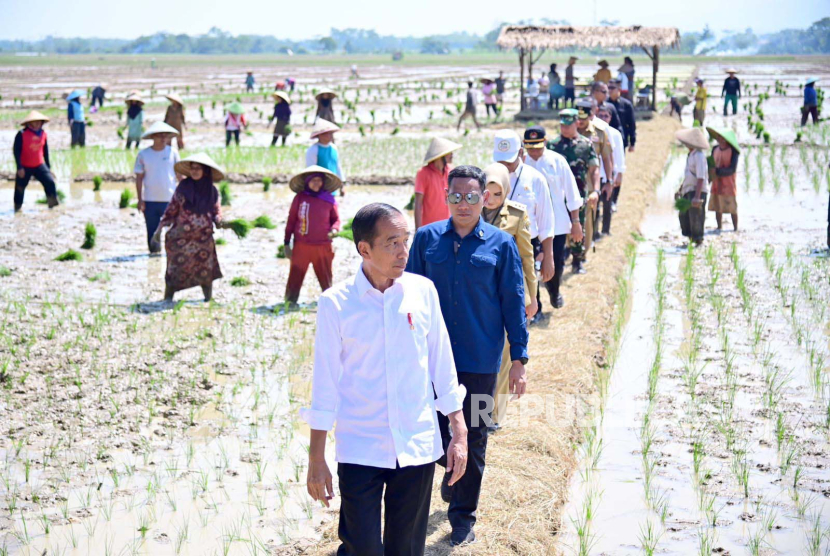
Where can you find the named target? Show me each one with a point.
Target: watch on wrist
(523, 360)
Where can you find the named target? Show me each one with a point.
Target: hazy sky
(26, 19)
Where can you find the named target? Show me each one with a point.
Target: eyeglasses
(472, 198)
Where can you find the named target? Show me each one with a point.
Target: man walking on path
(597, 132)
(477, 271)
(609, 207)
(565, 198)
(431, 183)
(469, 107)
(626, 112)
(155, 178)
(530, 188)
(599, 91)
(731, 91)
(383, 364)
(584, 164)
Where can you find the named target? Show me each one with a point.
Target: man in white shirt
(383, 364)
(565, 198)
(155, 178)
(529, 188)
(608, 205)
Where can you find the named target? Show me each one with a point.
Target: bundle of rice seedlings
(266, 183)
(240, 281)
(60, 194)
(411, 204)
(96, 183)
(70, 255)
(346, 231)
(221, 241)
(90, 233)
(5, 271)
(281, 252)
(126, 197)
(225, 193)
(240, 227)
(682, 204)
(263, 221)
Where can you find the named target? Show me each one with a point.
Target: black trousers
(408, 491)
(606, 201)
(465, 493)
(692, 221)
(78, 134)
(537, 248)
(41, 174)
(558, 266)
(809, 111)
(231, 133)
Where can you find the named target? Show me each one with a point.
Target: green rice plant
(263, 221)
(221, 241)
(90, 233)
(649, 537)
(281, 252)
(240, 281)
(58, 193)
(815, 535)
(346, 232)
(5, 272)
(225, 194)
(240, 227)
(266, 183)
(96, 183)
(126, 197)
(70, 255)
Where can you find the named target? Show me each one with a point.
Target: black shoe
(17, 208)
(559, 302)
(155, 247)
(446, 489)
(495, 427)
(577, 267)
(597, 236)
(460, 537)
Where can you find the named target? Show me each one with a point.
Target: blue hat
(811, 80)
(74, 94)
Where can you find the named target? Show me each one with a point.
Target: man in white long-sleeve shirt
(381, 350)
(565, 198)
(529, 188)
(616, 138)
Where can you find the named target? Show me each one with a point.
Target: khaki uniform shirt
(597, 133)
(514, 221)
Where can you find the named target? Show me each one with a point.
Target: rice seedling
(649, 537)
(221, 241)
(225, 194)
(263, 221)
(90, 234)
(70, 255)
(240, 281)
(346, 232)
(240, 227)
(126, 197)
(5, 272)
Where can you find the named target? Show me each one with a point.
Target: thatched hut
(528, 39)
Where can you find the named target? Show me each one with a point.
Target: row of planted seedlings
(195, 459)
(591, 445)
(776, 166)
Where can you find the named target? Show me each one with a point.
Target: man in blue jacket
(477, 272)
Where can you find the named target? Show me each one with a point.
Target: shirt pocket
(484, 261)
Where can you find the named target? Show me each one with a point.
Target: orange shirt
(431, 184)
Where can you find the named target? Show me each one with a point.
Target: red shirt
(431, 184)
(31, 156)
(310, 220)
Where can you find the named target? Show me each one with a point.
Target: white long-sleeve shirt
(530, 188)
(618, 156)
(377, 358)
(564, 193)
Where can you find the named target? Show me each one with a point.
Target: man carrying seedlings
(383, 365)
(477, 271)
(77, 122)
(731, 91)
(324, 152)
(31, 157)
(431, 183)
(313, 220)
(155, 178)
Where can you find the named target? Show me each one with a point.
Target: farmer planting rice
(695, 183)
(324, 152)
(701, 97)
(282, 113)
(174, 117)
(31, 157)
(383, 365)
(313, 220)
(77, 121)
(731, 91)
(723, 197)
(431, 183)
(234, 122)
(810, 107)
(325, 105)
(155, 178)
(249, 82)
(135, 119)
(191, 215)
(98, 94)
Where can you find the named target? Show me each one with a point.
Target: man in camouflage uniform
(595, 130)
(584, 164)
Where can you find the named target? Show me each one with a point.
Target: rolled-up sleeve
(450, 394)
(327, 368)
(511, 293)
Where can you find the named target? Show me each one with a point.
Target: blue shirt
(75, 111)
(481, 289)
(810, 96)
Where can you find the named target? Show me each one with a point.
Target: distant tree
(328, 44)
(432, 45)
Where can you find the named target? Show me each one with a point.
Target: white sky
(291, 19)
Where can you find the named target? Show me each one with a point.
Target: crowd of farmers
(418, 353)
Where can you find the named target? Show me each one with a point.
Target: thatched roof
(556, 37)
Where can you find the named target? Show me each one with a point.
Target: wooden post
(521, 79)
(655, 64)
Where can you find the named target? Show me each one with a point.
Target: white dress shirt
(564, 193)
(618, 156)
(530, 188)
(377, 358)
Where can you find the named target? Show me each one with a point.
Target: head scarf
(134, 110)
(491, 216)
(199, 196)
(323, 195)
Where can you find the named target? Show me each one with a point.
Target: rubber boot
(52, 202)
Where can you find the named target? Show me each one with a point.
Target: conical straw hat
(694, 137)
(281, 95)
(159, 127)
(134, 97)
(727, 134)
(173, 97)
(34, 116)
(74, 94)
(216, 171)
(439, 147)
(235, 108)
(325, 91)
(731, 70)
(323, 126)
(330, 180)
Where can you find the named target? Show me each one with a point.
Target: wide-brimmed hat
(134, 97)
(74, 94)
(325, 91)
(174, 97)
(440, 147)
(216, 171)
(485, 80)
(323, 126)
(694, 137)
(330, 180)
(811, 80)
(603, 63)
(34, 116)
(726, 134)
(281, 95)
(235, 108)
(159, 127)
(731, 70)
(497, 173)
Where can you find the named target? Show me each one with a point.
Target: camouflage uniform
(580, 156)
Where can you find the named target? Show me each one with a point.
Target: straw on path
(529, 467)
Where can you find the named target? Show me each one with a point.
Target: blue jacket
(75, 111)
(481, 288)
(810, 96)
